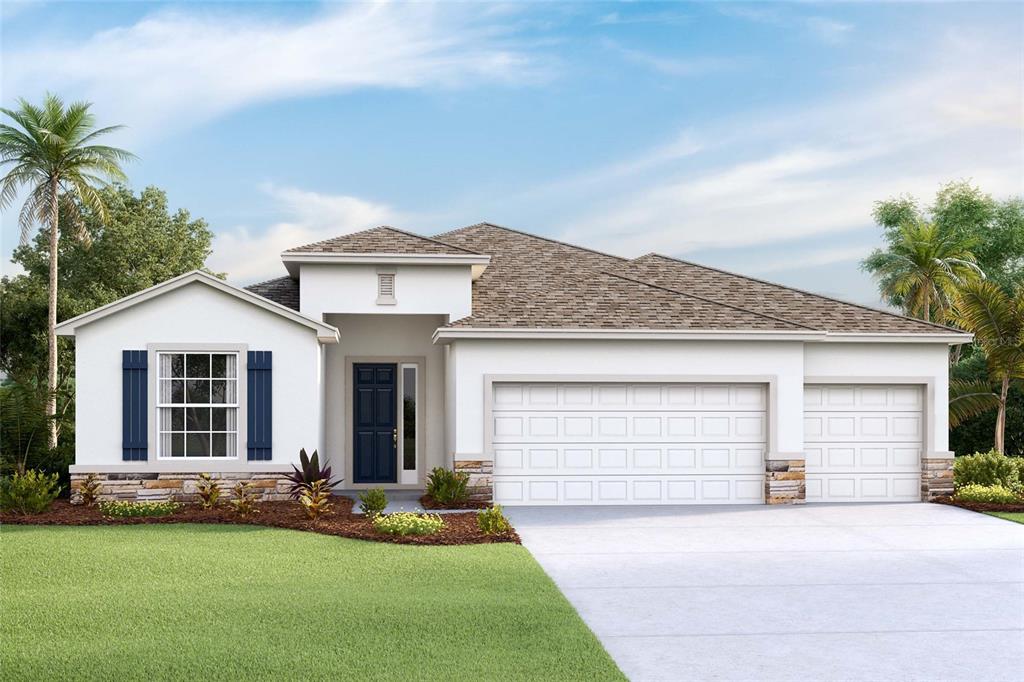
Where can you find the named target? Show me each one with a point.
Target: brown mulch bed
(981, 506)
(429, 502)
(459, 529)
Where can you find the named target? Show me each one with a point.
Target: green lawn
(239, 602)
(1009, 516)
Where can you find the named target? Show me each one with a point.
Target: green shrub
(491, 521)
(244, 500)
(316, 499)
(408, 523)
(995, 494)
(125, 509)
(89, 490)
(986, 468)
(373, 502)
(448, 487)
(29, 493)
(208, 491)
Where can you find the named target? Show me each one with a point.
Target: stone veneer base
(936, 478)
(481, 478)
(785, 481)
(178, 486)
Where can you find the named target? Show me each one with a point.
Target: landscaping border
(459, 529)
(981, 506)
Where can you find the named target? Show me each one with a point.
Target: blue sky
(753, 137)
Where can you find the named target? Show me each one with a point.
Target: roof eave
(292, 259)
(325, 333)
(449, 334)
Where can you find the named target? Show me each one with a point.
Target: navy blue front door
(375, 423)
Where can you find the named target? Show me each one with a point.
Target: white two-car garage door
(618, 443)
(863, 443)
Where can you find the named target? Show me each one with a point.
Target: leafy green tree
(997, 321)
(139, 244)
(923, 267)
(50, 151)
(995, 227)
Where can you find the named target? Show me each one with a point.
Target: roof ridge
(425, 238)
(708, 300)
(390, 228)
(802, 291)
(535, 236)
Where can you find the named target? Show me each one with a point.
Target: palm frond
(968, 399)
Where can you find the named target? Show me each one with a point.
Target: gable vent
(385, 287)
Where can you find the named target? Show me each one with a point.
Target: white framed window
(197, 405)
(386, 287)
(408, 454)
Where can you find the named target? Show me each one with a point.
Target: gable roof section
(282, 290)
(804, 308)
(325, 332)
(383, 239)
(539, 283)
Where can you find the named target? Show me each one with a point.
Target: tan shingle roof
(283, 290)
(534, 282)
(540, 282)
(811, 310)
(382, 239)
(537, 282)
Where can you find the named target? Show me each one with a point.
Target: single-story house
(551, 373)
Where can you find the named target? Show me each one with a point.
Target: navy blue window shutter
(134, 406)
(258, 417)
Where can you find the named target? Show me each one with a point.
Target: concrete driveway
(818, 592)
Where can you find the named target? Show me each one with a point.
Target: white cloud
(247, 256)
(670, 66)
(175, 68)
(813, 258)
(819, 169)
(828, 30)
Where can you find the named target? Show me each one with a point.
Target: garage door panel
(857, 457)
(586, 490)
(647, 426)
(863, 443)
(863, 487)
(628, 443)
(641, 397)
(861, 427)
(618, 458)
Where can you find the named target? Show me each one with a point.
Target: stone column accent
(936, 477)
(178, 486)
(481, 479)
(785, 481)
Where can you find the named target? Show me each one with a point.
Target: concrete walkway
(818, 592)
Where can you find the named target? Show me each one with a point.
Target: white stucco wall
(788, 363)
(782, 362)
(924, 364)
(194, 315)
(376, 338)
(419, 289)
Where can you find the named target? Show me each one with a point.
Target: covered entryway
(863, 442)
(628, 443)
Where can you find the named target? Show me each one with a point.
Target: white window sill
(387, 300)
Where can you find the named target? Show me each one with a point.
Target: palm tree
(924, 268)
(52, 153)
(996, 319)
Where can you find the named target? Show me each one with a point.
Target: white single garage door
(576, 443)
(863, 443)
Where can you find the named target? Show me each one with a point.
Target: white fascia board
(325, 333)
(448, 334)
(950, 337)
(292, 259)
